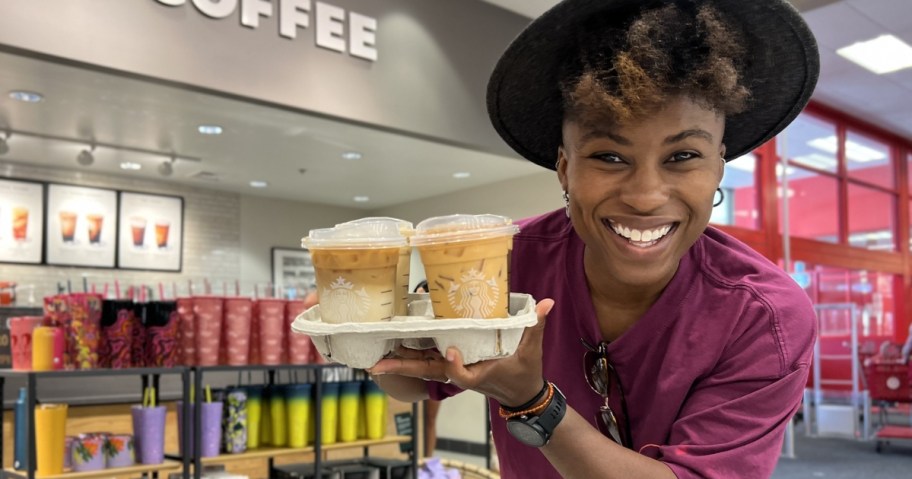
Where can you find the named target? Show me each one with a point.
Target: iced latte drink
(403, 266)
(467, 262)
(355, 268)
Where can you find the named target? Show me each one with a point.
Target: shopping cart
(888, 380)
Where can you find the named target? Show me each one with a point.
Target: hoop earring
(721, 197)
(566, 203)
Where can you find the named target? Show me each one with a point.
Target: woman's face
(641, 193)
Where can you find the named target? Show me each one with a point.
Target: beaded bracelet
(531, 402)
(534, 411)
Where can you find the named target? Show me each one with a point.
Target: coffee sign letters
(357, 36)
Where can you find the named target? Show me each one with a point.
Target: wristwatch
(536, 431)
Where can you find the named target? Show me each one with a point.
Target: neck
(608, 293)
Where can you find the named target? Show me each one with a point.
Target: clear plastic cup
(355, 266)
(403, 267)
(467, 262)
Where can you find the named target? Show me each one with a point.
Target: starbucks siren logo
(475, 297)
(349, 305)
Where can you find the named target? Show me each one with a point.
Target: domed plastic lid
(365, 235)
(455, 228)
(405, 227)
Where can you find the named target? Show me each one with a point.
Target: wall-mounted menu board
(151, 232)
(81, 226)
(21, 221)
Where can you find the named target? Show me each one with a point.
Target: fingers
(532, 336)
(424, 368)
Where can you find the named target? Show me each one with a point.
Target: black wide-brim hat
(780, 70)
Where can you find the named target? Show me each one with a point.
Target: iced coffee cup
(355, 266)
(403, 266)
(467, 262)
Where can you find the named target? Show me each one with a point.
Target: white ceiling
(264, 143)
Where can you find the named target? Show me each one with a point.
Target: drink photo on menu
(21, 221)
(81, 226)
(151, 232)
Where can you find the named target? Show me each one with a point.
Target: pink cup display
(271, 315)
(300, 347)
(83, 332)
(238, 316)
(255, 338)
(21, 330)
(57, 313)
(187, 331)
(209, 312)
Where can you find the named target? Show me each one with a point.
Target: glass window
(739, 208)
(813, 205)
(869, 161)
(871, 291)
(812, 142)
(871, 214)
(909, 171)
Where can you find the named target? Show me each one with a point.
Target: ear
(721, 162)
(561, 167)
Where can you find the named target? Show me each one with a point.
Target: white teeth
(647, 236)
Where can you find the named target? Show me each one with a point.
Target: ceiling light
(361, 199)
(26, 96)
(854, 151)
(209, 129)
(129, 165)
(85, 157)
(884, 54)
(459, 175)
(816, 160)
(4, 146)
(258, 184)
(351, 155)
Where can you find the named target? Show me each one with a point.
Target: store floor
(820, 457)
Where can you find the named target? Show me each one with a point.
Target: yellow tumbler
(50, 429)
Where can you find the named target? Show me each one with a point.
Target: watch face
(526, 433)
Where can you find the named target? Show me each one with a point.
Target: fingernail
(450, 356)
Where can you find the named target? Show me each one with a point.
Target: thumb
(537, 331)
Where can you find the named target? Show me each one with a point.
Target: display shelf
(110, 472)
(273, 452)
(76, 373)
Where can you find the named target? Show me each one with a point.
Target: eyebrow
(602, 133)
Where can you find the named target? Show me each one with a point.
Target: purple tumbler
(211, 432)
(149, 434)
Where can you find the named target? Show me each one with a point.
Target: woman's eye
(684, 156)
(608, 157)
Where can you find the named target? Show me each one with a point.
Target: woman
(668, 348)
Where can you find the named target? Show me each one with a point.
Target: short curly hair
(680, 49)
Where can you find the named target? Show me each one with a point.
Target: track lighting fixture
(85, 157)
(4, 146)
(167, 166)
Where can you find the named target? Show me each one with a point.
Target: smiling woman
(664, 348)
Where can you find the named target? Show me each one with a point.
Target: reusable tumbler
(117, 323)
(187, 331)
(234, 425)
(254, 415)
(375, 404)
(349, 399)
(209, 311)
(118, 450)
(266, 417)
(467, 261)
(50, 424)
(210, 433)
(84, 329)
(329, 421)
(238, 317)
(48, 346)
(162, 325)
(22, 329)
(355, 267)
(149, 434)
(278, 417)
(271, 324)
(138, 356)
(20, 437)
(300, 347)
(297, 403)
(87, 452)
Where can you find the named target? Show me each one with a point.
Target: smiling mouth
(641, 238)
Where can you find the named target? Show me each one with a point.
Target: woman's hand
(511, 381)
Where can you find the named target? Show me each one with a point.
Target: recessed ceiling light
(129, 165)
(461, 175)
(209, 129)
(351, 155)
(26, 96)
(884, 54)
(361, 199)
(258, 184)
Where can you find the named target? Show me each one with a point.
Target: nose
(645, 189)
